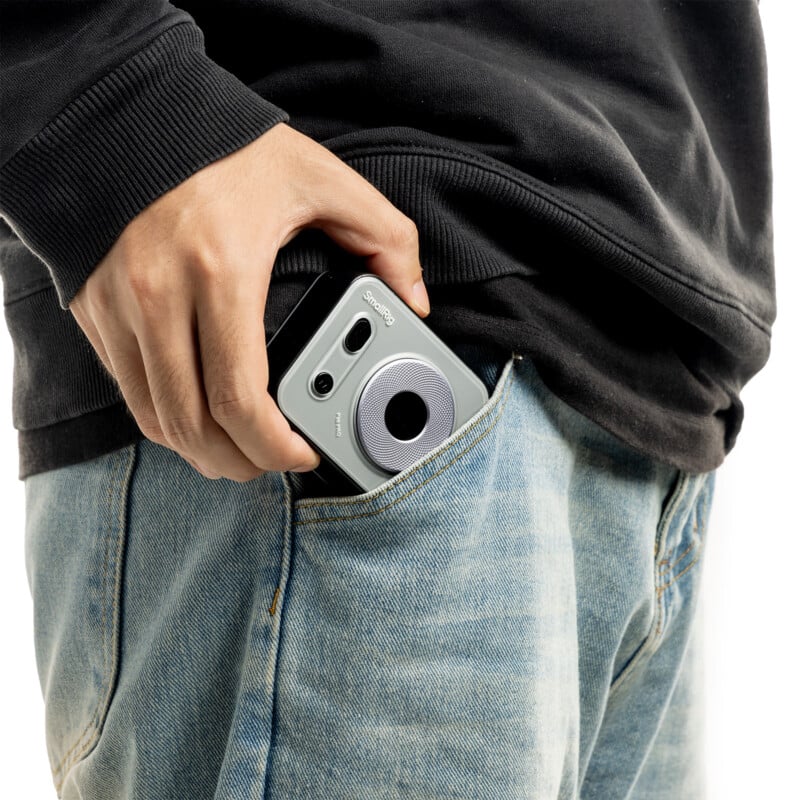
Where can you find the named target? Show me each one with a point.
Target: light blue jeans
(512, 617)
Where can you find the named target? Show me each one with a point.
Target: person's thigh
(490, 623)
(637, 581)
(472, 628)
(155, 626)
(648, 742)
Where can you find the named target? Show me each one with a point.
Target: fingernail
(304, 468)
(307, 466)
(420, 295)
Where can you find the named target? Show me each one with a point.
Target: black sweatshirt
(591, 184)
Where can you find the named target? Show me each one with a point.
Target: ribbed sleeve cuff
(141, 130)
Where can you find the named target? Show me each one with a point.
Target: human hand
(175, 309)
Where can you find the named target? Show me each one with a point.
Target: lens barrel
(405, 410)
(323, 383)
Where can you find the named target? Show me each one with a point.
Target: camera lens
(323, 383)
(406, 416)
(405, 409)
(357, 335)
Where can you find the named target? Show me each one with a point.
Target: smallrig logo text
(382, 309)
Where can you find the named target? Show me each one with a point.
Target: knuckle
(147, 296)
(232, 407)
(403, 233)
(152, 431)
(94, 301)
(207, 263)
(142, 283)
(130, 249)
(151, 428)
(183, 432)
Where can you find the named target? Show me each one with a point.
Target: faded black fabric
(591, 182)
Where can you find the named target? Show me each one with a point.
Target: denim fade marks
(511, 617)
(75, 575)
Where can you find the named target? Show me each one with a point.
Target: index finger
(359, 218)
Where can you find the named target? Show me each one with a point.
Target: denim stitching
(702, 503)
(70, 758)
(279, 601)
(488, 409)
(411, 491)
(92, 730)
(274, 607)
(663, 588)
(684, 553)
(491, 406)
(66, 761)
(678, 495)
(668, 565)
(662, 574)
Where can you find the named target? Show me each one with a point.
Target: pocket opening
(404, 483)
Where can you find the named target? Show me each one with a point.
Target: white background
(752, 560)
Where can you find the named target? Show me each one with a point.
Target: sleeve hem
(140, 131)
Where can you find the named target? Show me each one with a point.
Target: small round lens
(357, 335)
(406, 416)
(323, 383)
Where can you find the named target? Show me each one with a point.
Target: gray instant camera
(367, 383)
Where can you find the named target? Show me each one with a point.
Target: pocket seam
(696, 548)
(677, 496)
(498, 405)
(111, 633)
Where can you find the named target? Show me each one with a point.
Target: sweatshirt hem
(627, 256)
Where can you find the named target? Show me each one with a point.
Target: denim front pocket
(75, 536)
(430, 466)
(406, 621)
